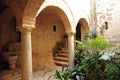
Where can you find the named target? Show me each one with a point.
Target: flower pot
(12, 61)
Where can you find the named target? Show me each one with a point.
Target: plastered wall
(44, 39)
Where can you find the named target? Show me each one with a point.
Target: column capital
(26, 29)
(71, 33)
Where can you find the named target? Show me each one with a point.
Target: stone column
(71, 48)
(26, 54)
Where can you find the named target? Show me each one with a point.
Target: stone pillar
(26, 54)
(71, 48)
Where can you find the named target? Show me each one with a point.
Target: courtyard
(47, 74)
(38, 37)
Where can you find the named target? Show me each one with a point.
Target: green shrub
(57, 48)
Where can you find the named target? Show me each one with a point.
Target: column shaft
(26, 54)
(70, 49)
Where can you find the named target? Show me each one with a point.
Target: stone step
(60, 59)
(60, 63)
(64, 55)
(64, 50)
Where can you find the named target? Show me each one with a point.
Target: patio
(37, 75)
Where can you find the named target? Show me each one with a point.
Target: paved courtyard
(47, 74)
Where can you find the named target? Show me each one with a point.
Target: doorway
(78, 32)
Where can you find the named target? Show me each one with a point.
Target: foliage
(89, 62)
(78, 57)
(118, 52)
(99, 43)
(57, 48)
(93, 33)
(102, 28)
(94, 66)
(113, 70)
(62, 75)
(72, 73)
(96, 44)
(80, 45)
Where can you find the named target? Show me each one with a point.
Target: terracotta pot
(12, 61)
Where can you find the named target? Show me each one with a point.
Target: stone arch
(30, 12)
(82, 15)
(84, 23)
(84, 27)
(57, 5)
(9, 14)
(16, 10)
(62, 16)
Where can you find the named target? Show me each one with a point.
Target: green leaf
(58, 75)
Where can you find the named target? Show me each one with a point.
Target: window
(54, 28)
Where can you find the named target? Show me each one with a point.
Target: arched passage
(8, 34)
(78, 32)
(29, 21)
(17, 10)
(50, 28)
(31, 12)
(55, 7)
(81, 28)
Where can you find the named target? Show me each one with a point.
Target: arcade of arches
(31, 28)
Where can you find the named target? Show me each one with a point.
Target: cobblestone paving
(37, 75)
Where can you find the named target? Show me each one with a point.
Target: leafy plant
(95, 66)
(78, 57)
(99, 43)
(62, 75)
(113, 70)
(102, 28)
(57, 48)
(89, 64)
(80, 45)
(72, 73)
(93, 33)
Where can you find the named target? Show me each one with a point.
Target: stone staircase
(62, 58)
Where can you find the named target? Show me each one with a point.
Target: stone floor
(37, 75)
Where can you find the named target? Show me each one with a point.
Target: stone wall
(7, 32)
(44, 39)
(109, 10)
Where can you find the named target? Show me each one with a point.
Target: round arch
(16, 10)
(84, 17)
(81, 28)
(57, 5)
(62, 16)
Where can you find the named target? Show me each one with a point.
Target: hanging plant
(65, 35)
